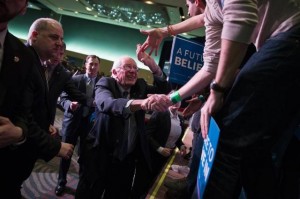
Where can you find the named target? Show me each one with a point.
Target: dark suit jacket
(17, 71)
(71, 119)
(39, 99)
(17, 95)
(44, 99)
(61, 80)
(105, 138)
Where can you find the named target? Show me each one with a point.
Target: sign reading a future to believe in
(186, 59)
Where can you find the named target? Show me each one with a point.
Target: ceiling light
(133, 12)
(33, 6)
(149, 2)
(88, 9)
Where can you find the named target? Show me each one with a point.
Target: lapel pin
(16, 59)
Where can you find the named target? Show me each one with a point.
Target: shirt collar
(87, 77)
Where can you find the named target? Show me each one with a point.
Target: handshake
(156, 102)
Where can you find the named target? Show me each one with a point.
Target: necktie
(125, 94)
(89, 88)
(124, 146)
(47, 75)
(89, 93)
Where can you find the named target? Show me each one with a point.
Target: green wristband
(175, 97)
(201, 98)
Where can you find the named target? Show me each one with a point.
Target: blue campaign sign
(207, 157)
(186, 59)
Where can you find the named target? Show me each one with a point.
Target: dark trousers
(17, 163)
(143, 179)
(71, 137)
(195, 161)
(258, 109)
(290, 171)
(113, 182)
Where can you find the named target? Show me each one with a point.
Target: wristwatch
(216, 87)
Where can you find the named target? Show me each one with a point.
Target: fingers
(204, 121)
(144, 47)
(144, 32)
(155, 51)
(70, 152)
(4, 120)
(151, 50)
(66, 150)
(149, 95)
(187, 113)
(157, 103)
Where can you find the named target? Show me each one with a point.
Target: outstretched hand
(156, 102)
(212, 105)
(66, 150)
(194, 105)
(9, 133)
(147, 60)
(155, 36)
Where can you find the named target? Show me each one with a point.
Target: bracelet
(216, 87)
(201, 98)
(175, 97)
(170, 30)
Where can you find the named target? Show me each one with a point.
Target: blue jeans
(263, 100)
(195, 162)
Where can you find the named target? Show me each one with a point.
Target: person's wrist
(20, 137)
(164, 32)
(175, 97)
(156, 71)
(160, 150)
(171, 31)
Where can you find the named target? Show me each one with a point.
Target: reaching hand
(53, 130)
(74, 106)
(9, 133)
(156, 102)
(155, 36)
(144, 57)
(212, 105)
(166, 152)
(66, 150)
(183, 151)
(193, 106)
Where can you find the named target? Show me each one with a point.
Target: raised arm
(156, 35)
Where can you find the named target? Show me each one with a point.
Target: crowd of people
(253, 99)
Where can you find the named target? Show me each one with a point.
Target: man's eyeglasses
(130, 68)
